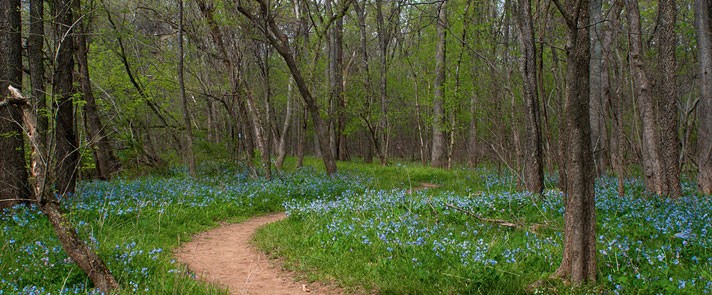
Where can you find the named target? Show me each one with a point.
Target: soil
(225, 256)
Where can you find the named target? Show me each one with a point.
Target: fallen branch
(501, 222)
(85, 257)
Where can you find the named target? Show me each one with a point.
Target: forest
(447, 146)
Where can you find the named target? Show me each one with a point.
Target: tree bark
(598, 123)
(579, 258)
(189, 157)
(13, 176)
(533, 160)
(67, 143)
(282, 144)
(383, 41)
(106, 162)
(438, 155)
(703, 17)
(669, 118)
(652, 158)
(612, 96)
(35, 54)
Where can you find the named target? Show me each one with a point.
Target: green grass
(363, 231)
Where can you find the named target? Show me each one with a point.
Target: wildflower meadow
(368, 230)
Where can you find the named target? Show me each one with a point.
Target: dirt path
(224, 256)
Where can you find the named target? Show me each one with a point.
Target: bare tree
(578, 175)
(13, 177)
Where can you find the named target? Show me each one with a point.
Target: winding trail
(224, 256)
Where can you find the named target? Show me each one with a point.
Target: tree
(188, 156)
(533, 162)
(703, 24)
(36, 61)
(280, 42)
(65, 136)
(106, 162)
(579, 258)
(669, 141)
(438, 155)
(42, 194)
(598, 123)
(13, 177)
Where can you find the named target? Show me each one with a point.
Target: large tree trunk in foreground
(703, 17)
(78, 250)
(67, 143)
(438, 155)
(13, 177)
(106, 162)
(579, 258)
(533, 161)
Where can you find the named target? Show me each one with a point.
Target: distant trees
(376, 83)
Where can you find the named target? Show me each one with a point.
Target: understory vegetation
(367, 229)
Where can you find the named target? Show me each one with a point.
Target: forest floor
(225, 256)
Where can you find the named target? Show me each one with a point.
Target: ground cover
(484, 238)
(135, 223)
(368, 229)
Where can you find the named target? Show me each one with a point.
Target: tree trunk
(67, 143)
(612, 96)
(437, 157)
(336, 83)
(579, 258)
(281, 145)
(703, 17)
(106, 162)
(669, 119)
(533, 164)
(383, 40)
(280, 42)
(652, 157)
(598, 123)
(92, 265)
(35, 53)
(188, 156)
(13, 176)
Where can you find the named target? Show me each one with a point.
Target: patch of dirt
(225, 256)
